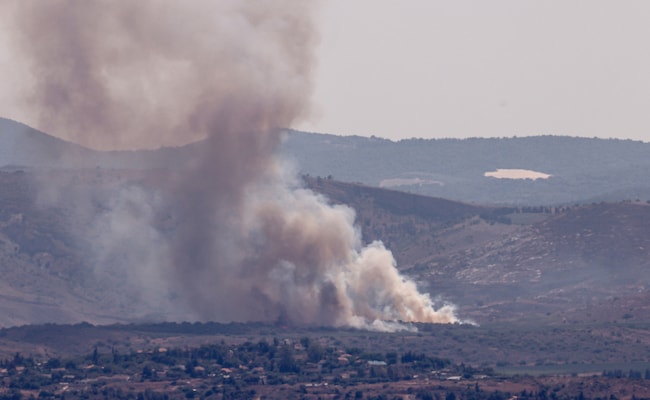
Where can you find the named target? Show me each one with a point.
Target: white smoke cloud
(243, 244)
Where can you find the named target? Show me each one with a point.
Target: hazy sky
(457, 68)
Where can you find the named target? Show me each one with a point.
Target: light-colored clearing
(394, 182)
(516, 174)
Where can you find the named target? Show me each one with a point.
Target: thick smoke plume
(246, 242)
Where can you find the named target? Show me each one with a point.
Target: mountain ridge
(24, 146)
(497, 263)
(580, 169)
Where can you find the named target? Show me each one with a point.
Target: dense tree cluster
(223, 370)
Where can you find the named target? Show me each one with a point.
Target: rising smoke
(248, 243)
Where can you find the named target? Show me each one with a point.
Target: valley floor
(221, 361)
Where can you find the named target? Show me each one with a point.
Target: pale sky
(459, 68)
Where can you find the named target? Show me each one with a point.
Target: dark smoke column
(248, 243)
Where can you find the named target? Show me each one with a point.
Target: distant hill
(561, 261)
(588, 263)
(23, 146)
(583, 170)
(553, 264)
(497, 264)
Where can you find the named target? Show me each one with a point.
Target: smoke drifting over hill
(246, 243)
